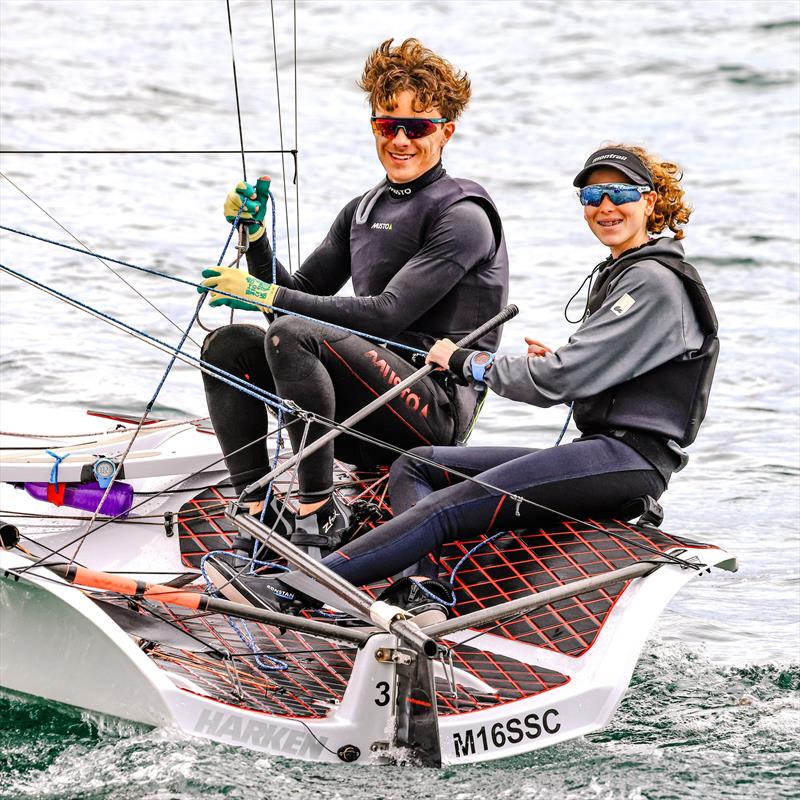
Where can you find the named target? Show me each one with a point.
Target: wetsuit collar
(402, 191)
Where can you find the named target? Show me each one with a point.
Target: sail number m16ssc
(501, 734)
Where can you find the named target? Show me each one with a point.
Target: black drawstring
(589, 278)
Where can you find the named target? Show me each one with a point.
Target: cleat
(321, 532)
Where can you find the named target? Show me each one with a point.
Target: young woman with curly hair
(427, 258)
(637, 373)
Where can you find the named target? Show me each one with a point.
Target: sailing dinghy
(545, 636)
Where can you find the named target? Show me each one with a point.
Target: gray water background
(713, 707)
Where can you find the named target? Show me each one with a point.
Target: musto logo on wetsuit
(412, 400)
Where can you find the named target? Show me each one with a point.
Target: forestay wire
(236, 90)
(195, 315)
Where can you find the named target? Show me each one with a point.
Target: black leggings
(329, 372)
(595, 476)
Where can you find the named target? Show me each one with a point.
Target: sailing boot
(428, 600)
(321, 531)
(260, 591)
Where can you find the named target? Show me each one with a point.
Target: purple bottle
(85, 496)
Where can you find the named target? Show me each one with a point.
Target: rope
(240, 626)
(565, 426)
(152, 496)
(380, 339)
(590, 278)
(147, 410)
(87, 251)
(280, 132)
(245, 386)
(236, 90)
(58, 460)
(452, 579)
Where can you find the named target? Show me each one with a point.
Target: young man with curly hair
(426, 254)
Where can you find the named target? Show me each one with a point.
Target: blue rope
(278, 448)
(227, 377)
(234, 226)
(566, 425)
(175, 354)
(431, 596)
(54, 470)
(280, 310)
(239, 626)
(470, 553)
(455, 570)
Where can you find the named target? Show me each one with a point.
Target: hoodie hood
(664, 248)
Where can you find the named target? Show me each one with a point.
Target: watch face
(482, 358)
(104, 468)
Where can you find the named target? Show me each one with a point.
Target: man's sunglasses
(413, 127)
(617, 193)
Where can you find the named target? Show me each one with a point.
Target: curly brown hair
(435, 82)
(670, 209)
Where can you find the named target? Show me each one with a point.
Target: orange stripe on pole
(128, 586)
(102, 580)
(165, 594)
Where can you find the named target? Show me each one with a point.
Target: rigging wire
(278, 402)
(236, 90)
(86, 250)
(76, 540)
(147, 411)
(280, 135)
(175, 353)
(363, 334)
(140, 152)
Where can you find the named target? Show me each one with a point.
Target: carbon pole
(509, 312)
(530, 603)
(392, 619)
(202, 602)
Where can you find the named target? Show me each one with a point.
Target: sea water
(713, 707)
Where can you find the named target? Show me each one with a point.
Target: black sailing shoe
(321, 532)
(260, 591)
(428, 600)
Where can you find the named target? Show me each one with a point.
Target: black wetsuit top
(427, 260)
(425, 263)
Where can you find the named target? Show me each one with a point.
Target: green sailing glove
(255, 201)
(234, 281)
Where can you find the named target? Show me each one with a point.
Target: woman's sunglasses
(413, 127)
(617, 193)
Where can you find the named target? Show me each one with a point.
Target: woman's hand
(439, 354)
(536, 349)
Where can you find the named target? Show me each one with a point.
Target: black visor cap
(626, 162)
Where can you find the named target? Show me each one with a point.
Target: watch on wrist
(480, 363)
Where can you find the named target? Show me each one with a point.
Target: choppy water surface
(713, 708)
